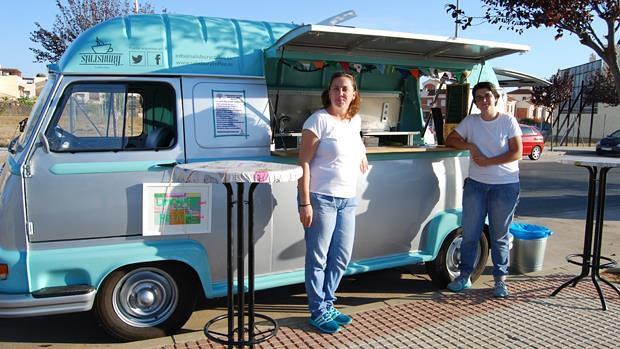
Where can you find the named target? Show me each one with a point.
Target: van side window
(114, 117)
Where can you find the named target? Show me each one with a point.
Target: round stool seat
(577, 259)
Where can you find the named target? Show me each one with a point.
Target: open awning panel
(513, 78)
(312, 40)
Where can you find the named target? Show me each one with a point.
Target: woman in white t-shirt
(332, 156)
(492, 187)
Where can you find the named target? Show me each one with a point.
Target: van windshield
(35, 115)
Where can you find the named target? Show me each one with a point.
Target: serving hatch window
(114, 117)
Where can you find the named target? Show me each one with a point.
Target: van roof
(172, 45)
(189, 45)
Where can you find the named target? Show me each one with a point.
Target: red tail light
(4, 271)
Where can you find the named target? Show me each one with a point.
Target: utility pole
(137, 6)
(456, 21)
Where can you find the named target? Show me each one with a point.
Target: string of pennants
(313, 66)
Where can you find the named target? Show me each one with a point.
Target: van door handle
(169, 164)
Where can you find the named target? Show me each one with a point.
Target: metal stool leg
(598, 234)
(238, 310)
(240, 268)
(251, 263)
(587, 241)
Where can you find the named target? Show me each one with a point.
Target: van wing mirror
(22, 124)
(11, 147)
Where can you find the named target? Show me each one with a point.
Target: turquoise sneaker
(340, 318)
(325, 323)
(500, 290)
(459, 284)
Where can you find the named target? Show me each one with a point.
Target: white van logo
(102, 55)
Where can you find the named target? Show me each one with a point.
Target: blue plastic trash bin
(528, 251)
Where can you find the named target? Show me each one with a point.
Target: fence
(14, 109)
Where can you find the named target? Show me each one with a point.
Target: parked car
(543, 127)
(533, 142)
(609, 145)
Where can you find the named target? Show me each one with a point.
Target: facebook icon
(155, 58)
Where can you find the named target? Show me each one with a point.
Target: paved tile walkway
(530, 318)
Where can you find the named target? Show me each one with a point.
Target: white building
(603, 119)
(519, 104)
(13, 85)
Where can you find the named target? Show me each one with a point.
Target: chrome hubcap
(145, 297)
(453, 258)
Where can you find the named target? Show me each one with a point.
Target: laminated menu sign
(229, 113)
(176, 208)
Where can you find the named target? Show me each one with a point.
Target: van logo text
(102, 54)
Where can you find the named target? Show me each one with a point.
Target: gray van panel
(103, 203)
(205, 107)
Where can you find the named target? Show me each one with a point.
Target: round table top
(236, 171)
(585, 160)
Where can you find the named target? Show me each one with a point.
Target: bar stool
(590, 259)
(239, 172)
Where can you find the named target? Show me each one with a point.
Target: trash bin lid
(525, 231)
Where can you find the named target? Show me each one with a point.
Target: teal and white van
(87, 219)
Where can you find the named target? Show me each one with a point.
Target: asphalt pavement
(400, 308)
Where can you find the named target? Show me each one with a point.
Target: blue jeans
(329, 243)
(499, 202)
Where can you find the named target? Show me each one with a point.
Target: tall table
(239, 172)
(590, 259)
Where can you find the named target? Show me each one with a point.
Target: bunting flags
(358, 68)
(403, 72)
(305, 65)
(318, 64)
(380, 68)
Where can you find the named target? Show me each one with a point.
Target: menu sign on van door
(229, 113)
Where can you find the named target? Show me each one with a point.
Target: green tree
(75, 17)
(594, 22)
(26, 101)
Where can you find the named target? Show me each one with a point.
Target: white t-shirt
(336, 163)
(492, 138)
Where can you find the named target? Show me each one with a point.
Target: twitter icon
(137, 58)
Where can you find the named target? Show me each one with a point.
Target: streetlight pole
(137, 6)
(456, 21)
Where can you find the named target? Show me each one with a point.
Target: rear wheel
(536, 152)
(144, 302)
(445, 267)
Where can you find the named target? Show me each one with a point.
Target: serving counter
(384, 150)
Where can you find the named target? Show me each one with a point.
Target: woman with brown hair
(332, 156)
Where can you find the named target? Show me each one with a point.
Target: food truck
(91, 220)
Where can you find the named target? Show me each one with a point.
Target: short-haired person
(332, 156)
(492, 187)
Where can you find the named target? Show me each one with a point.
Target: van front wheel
(445, 267)
(144, 302)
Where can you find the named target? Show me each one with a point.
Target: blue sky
(546, 55)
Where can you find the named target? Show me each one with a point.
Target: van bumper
(25, 305)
